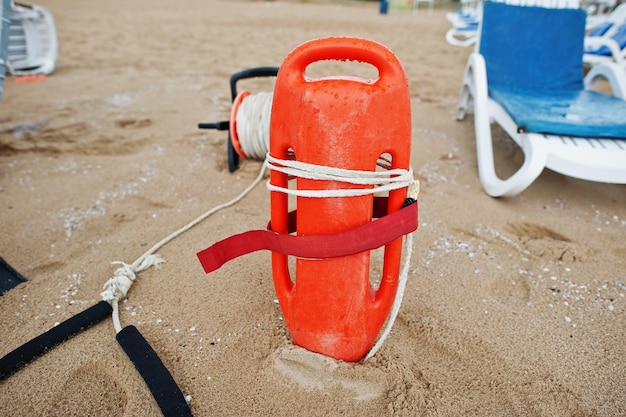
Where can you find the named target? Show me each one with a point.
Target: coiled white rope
(253, 125)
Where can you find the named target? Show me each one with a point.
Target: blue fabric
(533, 48)
(569, 113)
(600, 29)
(470, 26)
(535, 71)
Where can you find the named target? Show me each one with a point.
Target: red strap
(367, 237)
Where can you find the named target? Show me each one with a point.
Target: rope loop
(374, 181)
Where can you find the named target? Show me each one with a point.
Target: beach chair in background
(599, 12)
(5, 9)
(530, 83)
(463, 35)
(471, 11)
(605, 24)
(416, 3)
(32, 43)
(465, 23)
(606, 41)
(600, 49)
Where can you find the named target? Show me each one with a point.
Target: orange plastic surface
(23, 79)
(345, 122)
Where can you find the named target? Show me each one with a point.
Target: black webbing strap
(158, 379)
(36, 347)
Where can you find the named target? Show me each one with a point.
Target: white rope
(116, 288)
(397, 301)
(413, 193)
(392, 179)
(253, 124)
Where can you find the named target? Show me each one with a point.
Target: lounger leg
(611, 72)
(465, 100)
(535, 157)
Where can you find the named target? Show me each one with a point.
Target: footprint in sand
(93, 382)
(444, 361)
(509, 290)
(133, 123)
(318, 372)
(547, 243)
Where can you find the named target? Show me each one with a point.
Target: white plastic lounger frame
(594, 159)
(463, 35)
(5, 10)
(607, 19)
(613, 27)
(416, 4)
(594, 43)
(465, 23)
(32, 47)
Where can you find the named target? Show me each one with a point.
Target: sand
(513, 307)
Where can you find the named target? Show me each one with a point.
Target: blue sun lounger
(530, 82)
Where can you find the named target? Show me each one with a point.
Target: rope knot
(118, 285)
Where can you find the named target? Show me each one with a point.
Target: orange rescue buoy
(342, 122)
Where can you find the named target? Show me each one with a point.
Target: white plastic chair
(32, 44)
(602, 12)
(416, 4)
(612, 48)
(465, 23)
(5, 9)
(465, 35)
(606, 41)
(530, 83)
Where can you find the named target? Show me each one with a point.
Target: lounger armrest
(459, 37)
(611, 72)
(593, 43)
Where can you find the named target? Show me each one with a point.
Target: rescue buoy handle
(345, 49)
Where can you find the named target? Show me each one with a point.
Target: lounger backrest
(533, 48)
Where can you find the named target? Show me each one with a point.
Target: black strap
(160, 382)
(36, 347)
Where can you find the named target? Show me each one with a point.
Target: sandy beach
(513, 306)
